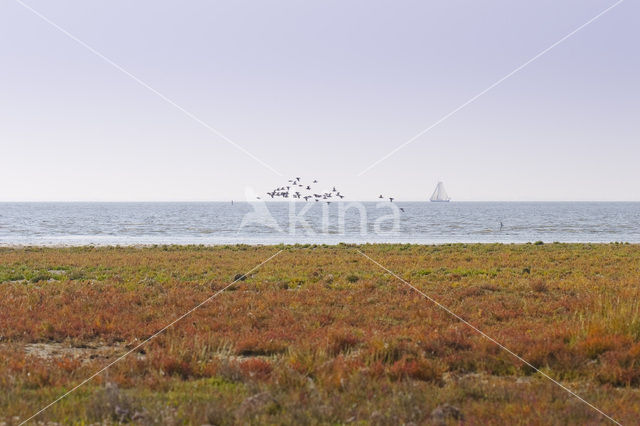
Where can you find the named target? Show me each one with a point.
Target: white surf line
(491, 339)
(120, 358)
(474, 98)
(147, 86)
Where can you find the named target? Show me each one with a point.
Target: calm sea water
(271, 223)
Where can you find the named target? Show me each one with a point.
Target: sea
(221, 223)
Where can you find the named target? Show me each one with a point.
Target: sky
(321, 90)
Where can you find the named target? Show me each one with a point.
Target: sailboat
(440, 194)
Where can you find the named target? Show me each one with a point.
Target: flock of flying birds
(296, 189)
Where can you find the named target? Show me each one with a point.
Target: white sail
(440, 194)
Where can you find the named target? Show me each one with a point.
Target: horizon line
(305, 202)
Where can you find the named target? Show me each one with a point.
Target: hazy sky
(319, 89)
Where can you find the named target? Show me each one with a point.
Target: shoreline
(311, 244)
